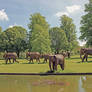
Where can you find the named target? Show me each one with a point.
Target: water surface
(60, 83)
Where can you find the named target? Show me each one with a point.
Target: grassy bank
(72, 65)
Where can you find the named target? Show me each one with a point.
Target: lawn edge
(46, 74)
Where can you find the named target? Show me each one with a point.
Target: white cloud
(73, 8)
(10, 26)
(3, 15)
(58, 14)
(69, 10)
(81, 43)
(14, 25)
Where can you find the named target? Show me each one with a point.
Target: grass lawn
(73, 65)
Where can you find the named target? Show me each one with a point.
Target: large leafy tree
(1, 42)
(14, 39)
(86, 24)
(39, 36)
(0, 29)
(70, 30)
(58, 39)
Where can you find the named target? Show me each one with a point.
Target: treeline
(44, 39)
(86, 25)
(41, 38)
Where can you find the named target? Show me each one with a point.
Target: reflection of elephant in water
(9, 56)
(55, 60)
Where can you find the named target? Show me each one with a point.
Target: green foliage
(58, 39)
(0, 29)
(14, 39)
(86, 24)
(39, 37)
(69, 28)
(2, 42)
(37, 18)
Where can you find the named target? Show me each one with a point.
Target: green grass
(73, 65)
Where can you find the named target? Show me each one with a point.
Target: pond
(12, 83)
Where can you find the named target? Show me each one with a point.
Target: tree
(39, 36)
(1, 42)
(37, 18)
(86, 24)
(0, 29)
(14, 39)
(69, 28)
(58, 39)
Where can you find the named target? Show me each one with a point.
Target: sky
(17, 12)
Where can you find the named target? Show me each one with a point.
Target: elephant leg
(50, 65)
(6, 61)
(54, 66)
(69, 55)
(9, 60)
(46, 60)
(86, 58)
(62, 66)
(39, 60)
(83, 58)
(13, 60)
(30, 60)
(36, 59)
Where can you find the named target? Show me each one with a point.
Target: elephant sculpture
(85, 52)
(55, 60)
(46, 57)
(9, 56)
(33, 55)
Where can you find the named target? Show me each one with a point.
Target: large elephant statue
(9, 56)
(33, 55)
(55, 60)
(85, 52)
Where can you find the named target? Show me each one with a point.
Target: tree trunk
(57, 51)
(18, 53)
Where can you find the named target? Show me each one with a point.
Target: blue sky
(17, 12)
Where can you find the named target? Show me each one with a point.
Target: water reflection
(45, 83)
(81, 89)
(87, 83)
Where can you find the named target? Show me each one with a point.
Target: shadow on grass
(7, 64)
(42, 63)
(47, 73)
(89, 61)
(84, 62)
(75, 58)
(50, 72)
(28, 63)
(89, 57)
(34, 63)
(79, 62)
